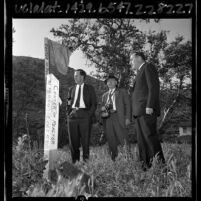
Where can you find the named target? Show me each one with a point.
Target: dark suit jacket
(146, 91)
(89, 97)
(123, 106)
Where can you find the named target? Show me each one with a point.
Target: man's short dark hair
(140, 54)
(82, 72)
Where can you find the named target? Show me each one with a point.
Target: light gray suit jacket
(123, 106)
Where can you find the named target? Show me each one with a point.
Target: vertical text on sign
(54, 112)
(51, 114)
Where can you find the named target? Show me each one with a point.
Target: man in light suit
(81, 106)
(115, 112)
(146, 109)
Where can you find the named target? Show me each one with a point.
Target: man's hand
(149, 110)
(103, 108)
(127, 122)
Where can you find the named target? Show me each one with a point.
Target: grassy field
(124, 177)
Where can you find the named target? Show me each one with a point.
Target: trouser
(115, 134)
(79, 134)
(148, 140)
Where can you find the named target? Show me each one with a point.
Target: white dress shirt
(82, 104)
(113, 98)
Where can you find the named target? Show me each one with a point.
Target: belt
(85, 109)
(113, 111)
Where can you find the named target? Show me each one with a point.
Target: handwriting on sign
(53, 132)
(54, 101)
(54, 109)
(52, 112)
(123, 7)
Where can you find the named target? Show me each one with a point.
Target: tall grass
(124, 177)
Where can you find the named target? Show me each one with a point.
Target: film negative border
(85, 8)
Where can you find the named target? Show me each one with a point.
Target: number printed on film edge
(123, 7)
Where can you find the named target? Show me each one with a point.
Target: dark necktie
(77, 104)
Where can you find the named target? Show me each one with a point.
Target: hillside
(29, 96)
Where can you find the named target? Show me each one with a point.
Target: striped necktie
(110, 97)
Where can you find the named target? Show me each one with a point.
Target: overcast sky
(30, 34)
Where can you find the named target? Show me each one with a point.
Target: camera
(106, 113)
(108, 107)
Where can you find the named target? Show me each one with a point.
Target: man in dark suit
(81, 106)
(115, 112)
(146, 109)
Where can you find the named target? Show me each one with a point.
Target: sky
(30, 34)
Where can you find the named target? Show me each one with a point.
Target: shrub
(27, 166)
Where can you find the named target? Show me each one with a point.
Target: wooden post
(51, 113)
(46, 58)
(46, 153)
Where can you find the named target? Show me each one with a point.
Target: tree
(105, 42)
(176, 72)
(157, 42)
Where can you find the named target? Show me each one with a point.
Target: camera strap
(109, 100)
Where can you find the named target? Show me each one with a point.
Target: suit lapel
(84, 92)
(134, 82)
(139, 73)
(86, 95)
(116, 93)
(106, 97)
(73, 93)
